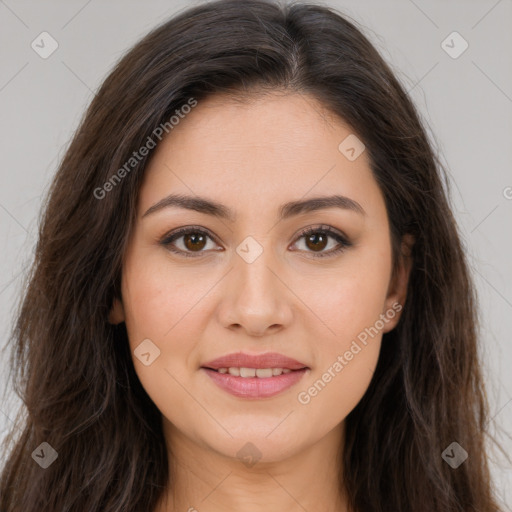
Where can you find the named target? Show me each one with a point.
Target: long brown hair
(73, 369)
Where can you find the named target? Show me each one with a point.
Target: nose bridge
(252, 271)
(259, 299)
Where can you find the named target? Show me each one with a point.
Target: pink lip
(255, 387)
(267, 360)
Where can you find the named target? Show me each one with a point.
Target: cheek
(356, 295)
(159, 306)
(166, 304)
(157, 296)
(345, 363)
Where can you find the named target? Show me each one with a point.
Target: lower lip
(255, 387)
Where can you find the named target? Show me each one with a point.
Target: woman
(249, 291)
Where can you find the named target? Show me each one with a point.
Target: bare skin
(253, 157)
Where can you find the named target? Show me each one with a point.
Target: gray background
(466, 101)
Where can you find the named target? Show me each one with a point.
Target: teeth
(262, 373)
(247, 372)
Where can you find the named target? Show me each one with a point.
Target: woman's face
(251, 282)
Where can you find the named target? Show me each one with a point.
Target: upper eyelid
(178, 233)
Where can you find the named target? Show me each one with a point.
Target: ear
(397, 290)
(116, 314)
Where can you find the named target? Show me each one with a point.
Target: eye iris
(191, 240)
(314, 237)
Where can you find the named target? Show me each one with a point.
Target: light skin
(253, 157)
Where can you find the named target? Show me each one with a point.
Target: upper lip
(267, 360)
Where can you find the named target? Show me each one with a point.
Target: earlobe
(116, 314)
(397, 291)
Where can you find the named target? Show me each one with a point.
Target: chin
(258, 443)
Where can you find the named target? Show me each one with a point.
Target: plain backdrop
(465, 101)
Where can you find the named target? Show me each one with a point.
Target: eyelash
(326, 230)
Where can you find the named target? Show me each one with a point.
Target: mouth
(255, 376)
(247, 373)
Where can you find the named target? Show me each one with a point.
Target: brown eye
(188, 241)
(194, 241)
(316, 241)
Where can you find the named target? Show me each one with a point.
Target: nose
(256, 299)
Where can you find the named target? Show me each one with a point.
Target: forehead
(256, 152)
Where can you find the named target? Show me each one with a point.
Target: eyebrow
(290, 209)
